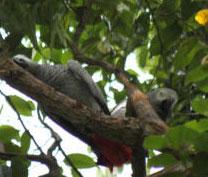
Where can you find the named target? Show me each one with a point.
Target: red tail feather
(113, 154)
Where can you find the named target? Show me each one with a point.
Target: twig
(57, 144)
(54, 169)
(175, 168)
(157, 27)
(98, 62)
(21, 121)
(160, 41)
(188, 114)
(81, 26)
(68, 6)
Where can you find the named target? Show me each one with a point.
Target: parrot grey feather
(71, 80)
(162, 100)
(75, 68)
(119, 110)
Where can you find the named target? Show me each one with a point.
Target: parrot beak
(167, 107)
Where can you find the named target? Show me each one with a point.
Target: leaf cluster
(163, 36)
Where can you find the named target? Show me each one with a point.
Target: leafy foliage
(8, 134)
(81, 161)
(24, 108)
(162, 34)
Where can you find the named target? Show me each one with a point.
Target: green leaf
(142, 56)
(188, 8)
(155, 48)
(19, 167)
(81, 161)
(118, 95)
(141, 25)
(180, 136)
(155, 142)
(25, 142)
(197, 74)
(168, 35)
(186, 53)
(7, 133)
(131, 71)
(12, 148)
(164, 160)
(203, 85)
(23, 107)
(200, 105)
(170, 6)
(201, 142)
(200, 164)
(199, 126)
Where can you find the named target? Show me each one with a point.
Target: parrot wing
(82, 74)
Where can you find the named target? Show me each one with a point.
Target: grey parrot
(163, 101)
(74, 81)
(71, 80)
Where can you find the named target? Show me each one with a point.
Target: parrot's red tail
(113, 153)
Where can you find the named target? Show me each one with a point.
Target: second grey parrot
(162, 100)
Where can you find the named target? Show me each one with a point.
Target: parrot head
(26, 63)
(163, 101)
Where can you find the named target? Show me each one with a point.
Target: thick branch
(81, 117)
(139, 101)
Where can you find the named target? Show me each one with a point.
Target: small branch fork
(21, 121)
(49, 160)
(57, 142)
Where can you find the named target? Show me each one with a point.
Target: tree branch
(21, 121)
(80, 120)
(175, 168)
(81, 25)
(54, 169)
(159, 38)
(84, 119)
(57, 142)
(140, 102)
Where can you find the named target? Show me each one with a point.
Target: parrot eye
(21, 62)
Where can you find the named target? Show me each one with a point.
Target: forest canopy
(168, 39)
